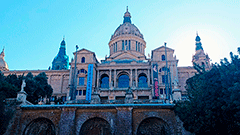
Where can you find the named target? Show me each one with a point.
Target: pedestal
(177, 94)
(95, 99)
(129, 97)
(22, 96)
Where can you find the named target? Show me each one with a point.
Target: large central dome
(127, 28)
(127, 39)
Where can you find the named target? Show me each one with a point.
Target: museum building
(126, 69)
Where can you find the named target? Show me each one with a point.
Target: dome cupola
(127, 38)
(127, 17)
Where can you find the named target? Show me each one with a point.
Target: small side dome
(3, 63)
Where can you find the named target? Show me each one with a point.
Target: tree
(37, 87)
(7, 90)
(213, 105)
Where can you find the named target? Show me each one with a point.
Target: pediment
(162, 48)
(125, 55)
(83, 51)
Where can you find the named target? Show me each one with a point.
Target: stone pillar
(124, 121)
(67, 121)
(110, 78)
(136, 80)
(70, 76)
(115, 78)
(49, 79)
(61, 83)
(130, 77)
(152, 81)
(148, 77)
(97, 78)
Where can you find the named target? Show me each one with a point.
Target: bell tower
(61, 61)
(200, 58)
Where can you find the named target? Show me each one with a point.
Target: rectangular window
(84, 92)
(80, 92)
(139, 47)
(161, 91)
(81, 81)
(125, 45)
(116, 47)
(163, 79)
(136, 46)
(122, 44)
(76, 92)
(113, 47)
(129, 45)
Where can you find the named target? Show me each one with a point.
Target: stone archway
(95, 126)
(40, 126)
(153, 126)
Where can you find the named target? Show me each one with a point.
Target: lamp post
(166, 73)
(74, 85)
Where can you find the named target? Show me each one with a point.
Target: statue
(175, 83)
(23, 85)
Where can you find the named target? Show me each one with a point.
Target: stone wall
(95, 118)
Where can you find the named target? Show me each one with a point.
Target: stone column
(61, 83)
(124, 121)
(70, 76)
(110, 78)
(67, 121)
(148, 77)
(115, 78)
(97, 78)
(130, 77)
(49, 79)
(152, 81)
(136, 80)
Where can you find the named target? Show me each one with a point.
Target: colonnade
(115, 77)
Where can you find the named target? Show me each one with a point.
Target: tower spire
(127, 17)
(198, 43)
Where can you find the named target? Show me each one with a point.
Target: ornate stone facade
(125, 68)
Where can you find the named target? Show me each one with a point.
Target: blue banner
(155, 81)
(89, 82)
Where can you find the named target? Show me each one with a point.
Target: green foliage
(213, 105)
(36, 87)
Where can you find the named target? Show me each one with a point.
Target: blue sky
(32, 30)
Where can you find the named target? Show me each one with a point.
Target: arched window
(142, 81)
(123, 81)
(82, 71)
(165, 69)
(83, 60)
(58, 67)
(129, 45)
(163, 57)
(104, 82)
